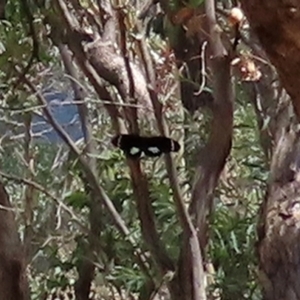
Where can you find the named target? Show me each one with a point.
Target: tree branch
(111, 67)
(91, 176)
(184, 217)
(87, 268)
(43, 190)
(108, 64)
(213, 157)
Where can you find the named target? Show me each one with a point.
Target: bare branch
(213, 157)
(131, 88)
(110, 104)
(215, 42)
(108, 64)
(147, 218)
(91, 176)
(86, 268)
(30, 194)
(109, 20)
(184, 217)
(111, 67)
(79, 101)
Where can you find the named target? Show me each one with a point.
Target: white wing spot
(154, 149)
(134, 150)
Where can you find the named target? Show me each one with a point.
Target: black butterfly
(134, 145)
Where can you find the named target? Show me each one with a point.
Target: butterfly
(134, 145)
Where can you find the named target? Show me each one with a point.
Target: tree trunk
(13, 283)
(278, 231)
(277, 25)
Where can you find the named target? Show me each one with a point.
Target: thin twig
(40, 188)
(131, 92)
(95, 210)
(74, 102)
(91, 176)
(203, 68)
(119, 81)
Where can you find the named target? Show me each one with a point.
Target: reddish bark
(277, 25)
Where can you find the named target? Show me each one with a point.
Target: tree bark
(278, 232)
(277, 25)
(12, 259)
(212, 158)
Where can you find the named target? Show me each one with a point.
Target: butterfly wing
(133, 152)
(155, 146)
(134, 145)
(152, 151)
(129, 143)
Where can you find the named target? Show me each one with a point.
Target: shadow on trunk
(12, 268)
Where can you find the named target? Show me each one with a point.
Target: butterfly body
(134, 145)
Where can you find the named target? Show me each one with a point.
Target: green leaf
(77, 199)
